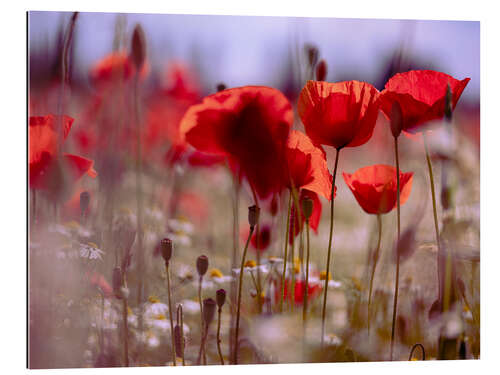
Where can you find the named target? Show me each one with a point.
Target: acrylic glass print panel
(246, 190)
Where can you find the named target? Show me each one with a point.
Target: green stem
(434, 211)
(332, 207)
(282, 297)
(396, 286)
(375, 261)
(235, 355)
(218, 337)
(306, 288)
(170, 312)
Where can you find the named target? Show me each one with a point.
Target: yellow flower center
(322, 275)
(153, 299)
(215, 272)
(250, 263)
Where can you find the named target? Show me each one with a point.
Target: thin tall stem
(396, 286)
(282, 294)
(434, 211)
(375, 261)
(125, 323)
(240, 284)
(200, 281)
(170, 313)
(332, 207)
(218, 336)
(180, 321)
(236, 245)
(306, 287)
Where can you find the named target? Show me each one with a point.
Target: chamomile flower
(90, 251)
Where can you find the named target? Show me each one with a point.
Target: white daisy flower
(90, 251)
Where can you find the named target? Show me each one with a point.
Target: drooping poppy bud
(84, 202)
(307, 207)
(208, 311)
(253, 215)
(202, 265)
(396, 119)
(312, 54)
(138, 48)
(448, 104)
(221, 87)
(166, 249)
(321, 71)
(220, 296)
(117, 282)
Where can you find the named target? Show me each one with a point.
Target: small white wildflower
(332, 339)
(190, 306)
(181, 225)
(90, 251)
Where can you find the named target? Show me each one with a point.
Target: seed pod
(166, 249)
(220, 296)
(307, 207)
(321, 71)
(84, 202)
(253, 215)
(117, 282)
(138, 47)
(208, 311)
(396, 119)
(202, 265)
(221, 87)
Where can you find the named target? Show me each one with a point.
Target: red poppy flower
(44, 165)
(421, 95)
(313, 291)
(375, 187)
(250, 126)
(339, 114)
(114, 67)
(307, 165)
(264, 239)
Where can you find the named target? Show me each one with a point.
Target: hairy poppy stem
(332, 208)
(219, 313)
(257, 234)
(170, 313)
(375, 261)
(434, 211)
(282, 294)
(306, 289)
(232, 295)
(417, 345)
(180, 321)
(200, 281)
(297, 218)
(240, 284)
(396, 286)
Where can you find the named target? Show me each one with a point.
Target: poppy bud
(117, 282)
(448, 103)
(84, 202)
(220, 296)
(307, 207)
(446, 197)
(221, 87)
(202, 265)
(321, 70)
(208, 311)
(312, 54)
(179, 340)
(166, 249)
(396, 119)
(138, 47)
(253, 215)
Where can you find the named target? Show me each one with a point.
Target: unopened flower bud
(166, 248)
(117, 282)
(221, 87)
(253, 215)
(220, 296)
(396, 119)
(138, 47)
(208, 311)
(84, 202)
(202, 265)
(179, 340)
(321, 70)
(307, 207)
